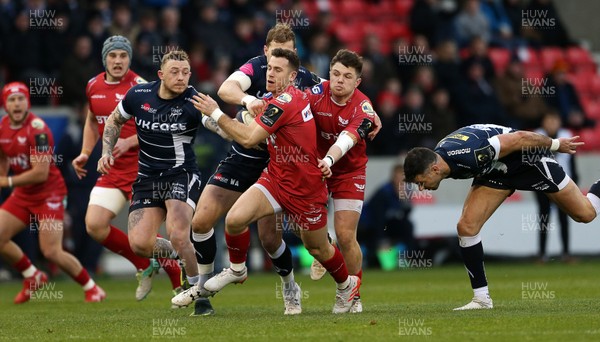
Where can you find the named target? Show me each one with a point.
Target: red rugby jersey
(103, 97)
(34, 139)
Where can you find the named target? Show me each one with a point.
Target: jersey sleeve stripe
(122, 111)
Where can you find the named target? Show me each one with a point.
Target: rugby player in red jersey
(291, 183)
(113, 190)
(26, 147)
(344, 118)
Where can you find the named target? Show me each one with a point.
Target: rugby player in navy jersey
(167, 187)
(500, 160)
(242, 168)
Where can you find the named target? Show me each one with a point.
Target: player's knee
(96, 229)
(140, 249)
(346, 240)
(465, 228)
(51, 253)
(200, 224)
(179, 239)
(234, 222)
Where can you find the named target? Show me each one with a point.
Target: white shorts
(108, 198)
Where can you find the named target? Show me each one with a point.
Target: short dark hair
(349, 59)
(281, 33)
(290, 55)
(417, 161)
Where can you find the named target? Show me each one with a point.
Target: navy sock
(206, 250)
(473, 259)
(284, 264)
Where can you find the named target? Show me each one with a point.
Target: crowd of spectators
(426, 63)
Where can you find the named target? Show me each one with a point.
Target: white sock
(344, 284)
(595, 201)
(193, 280)
(481, 292)
(199, 237)
(89, 285)
(29, 272)
(238, 267)
(279, 251)
(288, 278)
(206, 268)
(468, 241)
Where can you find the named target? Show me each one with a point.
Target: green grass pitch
(553, 302)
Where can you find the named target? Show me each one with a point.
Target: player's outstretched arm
(90, 138)
(520, 140)
(112, 131)
(247, 136)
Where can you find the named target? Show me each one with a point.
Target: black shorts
(545, 175)
(154, 191)
(237, 172)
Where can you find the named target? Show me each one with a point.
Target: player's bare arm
(40, 168)
(247, 136)
(210, 124)
(112, 131)
(90, 138)
(516, 141)
(233, 91)
(345, 141)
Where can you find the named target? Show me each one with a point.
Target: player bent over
(293, 184)
(500, 160)
(113, 190)
(26, 145)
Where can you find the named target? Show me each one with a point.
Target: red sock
(118, 242)
(336, 266)
(82, 278)
(171, 266)
(22, 264)
(238, 245)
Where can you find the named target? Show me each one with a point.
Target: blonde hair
(174, 55)
(281, 33)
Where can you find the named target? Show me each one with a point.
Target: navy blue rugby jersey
(469, 153)
(256, 69)
(166, 129)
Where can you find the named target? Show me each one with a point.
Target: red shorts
(308, 213)
(49, 208)
(118, 180)
(348, 186)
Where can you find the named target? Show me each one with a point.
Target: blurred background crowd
(430, 66)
